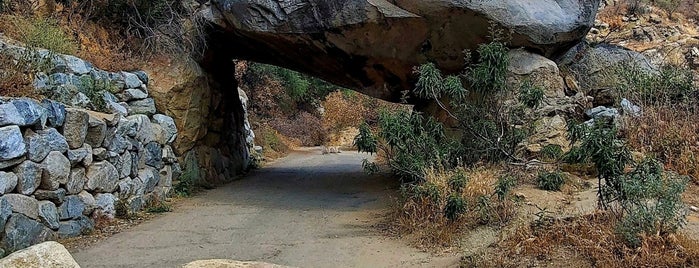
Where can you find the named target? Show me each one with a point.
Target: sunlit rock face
(372, 45)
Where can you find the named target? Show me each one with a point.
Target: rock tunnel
(370, 46)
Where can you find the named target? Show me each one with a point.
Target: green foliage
(431, 84)
(669, 85)
(550, 181)
(300, 87)
(488, 73)
(370, 167)
(365, 140)
(530, 95)
(458, 181)
(45, 33)
(429, 191)
(551, 152)
(651, 202)
(504, 186)
(190, 175)
(455, 207)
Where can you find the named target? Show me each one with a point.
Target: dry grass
(591, 238)
(422, 218)
(671, 134)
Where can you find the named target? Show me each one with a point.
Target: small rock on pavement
(47, 254)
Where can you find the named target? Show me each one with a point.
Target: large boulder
(47, 254)
(55, 171)
(372, 46)
(21, 232)
(12, 144)
(102, 177)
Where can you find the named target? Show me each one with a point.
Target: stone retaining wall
(62, 166)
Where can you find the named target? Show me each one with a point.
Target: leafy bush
(458, 181)
(550, 181)
(670, 85)
(651, 200)
(487, 74)
(300, 87)
(455, 207)
(365, 140)
(530, 95)
(552, 152)
(504, 186)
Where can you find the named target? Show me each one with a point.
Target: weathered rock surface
(21, 232)
(55, 171)
(23, 204)
(28, 177)
(12, 144)
(373, 45)
(40, 143)
(45, 255)
(8, 182)
(102, 177)
(75, 127)
(72, 207)
(56, 196)
(48, 214)
(77, 227)
(77, 180)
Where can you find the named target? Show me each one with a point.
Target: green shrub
(455, 207)
(552, 152)
(300, 87)
(429, 191)
(487, 74)
(458, 181)
(365, 140)
(504, 186)
(45, 33)
(667, 86)
(550, 181)
(651, 202)
(530, 95)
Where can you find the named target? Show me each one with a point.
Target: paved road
(306, 210)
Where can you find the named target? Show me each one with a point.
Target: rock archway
(367, 45)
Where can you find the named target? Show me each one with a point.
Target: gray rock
(77, 180)
(55, 111)
(125, 189)
(47, 254)
(165, 177)
(80, 100)
(99, 154)
(72, 207)
(124, 164)
(138, 187)
(96, 131)
(116, 108)
(106, 204)
(80, 226)
(22, 232)
(56, 196)
(630, 109)
(143, 128)
(75, 127)
(150, 178)
(168, 124)
(48, 214)
(102, 177)
(169, 156)
(131, 80)
(154, 155)
(133, 94)
(23, 204)
(602, 111)
(5, 212)
(162, 192)
(9, 115)
(33, 113)
(28, 177)
(135, 203)
(142, 76)
(144, 106)
(79, 155)
(12, 144)
(8, 182)
(55, 171)
(89, 201)
(77, 65)
(11, 163)
(40, 143)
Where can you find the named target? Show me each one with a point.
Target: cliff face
(372, 45)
